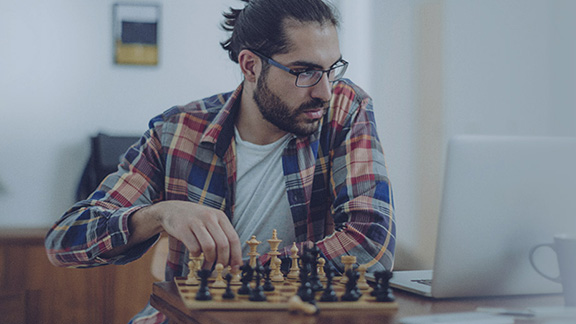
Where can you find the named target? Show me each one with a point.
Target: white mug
(565, 247)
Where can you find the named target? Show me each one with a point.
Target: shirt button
(296, 197)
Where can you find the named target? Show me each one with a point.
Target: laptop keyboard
(427, 282)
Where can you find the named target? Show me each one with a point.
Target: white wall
(59, 86)
(444, 67)
(435, 68)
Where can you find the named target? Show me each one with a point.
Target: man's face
(289, 108)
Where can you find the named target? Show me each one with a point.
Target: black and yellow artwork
(136, 34)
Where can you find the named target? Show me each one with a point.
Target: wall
(435, 68)
(59, 86)
(439, 68)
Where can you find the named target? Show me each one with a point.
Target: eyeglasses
(310, 78)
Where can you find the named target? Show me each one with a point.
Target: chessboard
(277, 300)
(311, 285)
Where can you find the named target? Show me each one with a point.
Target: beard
(278, 113)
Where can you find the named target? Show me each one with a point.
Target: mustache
(313, 104)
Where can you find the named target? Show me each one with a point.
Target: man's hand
(201, 229)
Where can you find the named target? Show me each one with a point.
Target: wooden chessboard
(277, 299)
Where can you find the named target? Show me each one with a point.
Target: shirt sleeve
(362, 206)
(100, 223)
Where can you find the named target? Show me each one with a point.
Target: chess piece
(192, 279)
(296, 304)
(267, 286)
(377, 284)
(352, 292)
(194, 264)
(348, 261)
(315, 282)
(276, 274)
(228, 294)
(275, 263)
(321, 271)
(235, 276)
(253, 244)
(384, 294)
(329, 295)
(247, 275)
(362, 282)
(203, 292)
(257, 293)
(219, 281)
(305, 290)
(294, 268)
(314, 279)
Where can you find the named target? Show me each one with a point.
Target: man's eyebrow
(312, 65)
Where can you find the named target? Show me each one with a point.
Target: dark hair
(259, 25)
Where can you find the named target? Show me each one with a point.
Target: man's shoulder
(204, 109)
(207, 107)
(347, 100)
(345, 89)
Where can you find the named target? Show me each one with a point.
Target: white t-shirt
(261, 201)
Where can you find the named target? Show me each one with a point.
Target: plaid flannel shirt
(336, 180)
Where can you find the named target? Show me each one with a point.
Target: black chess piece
(228, 294)
(352, 292)
(258, 293)
(267, 286)
(329, 295)
(246, 278)
(377, 283)
(384, 294)
(305, 291)
(203, 292)
(315, 282)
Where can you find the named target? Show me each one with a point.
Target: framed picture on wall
(136, 33)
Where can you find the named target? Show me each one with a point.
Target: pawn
(219, 281)
(235, 276)
(247, 273)
(228, 294)
(268, 286)
(203, 292)
(329, 295)
(321, 271)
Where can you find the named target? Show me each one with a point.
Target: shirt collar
(221, 130)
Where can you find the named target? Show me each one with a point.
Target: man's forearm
(142, 225)
(86, 232)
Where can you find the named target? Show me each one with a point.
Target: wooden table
(165, 298)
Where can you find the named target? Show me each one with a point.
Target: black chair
(105, 155)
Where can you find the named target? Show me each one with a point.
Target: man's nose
(323, 89)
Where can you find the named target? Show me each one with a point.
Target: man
(294, 148)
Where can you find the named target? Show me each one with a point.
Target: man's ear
(250, 65)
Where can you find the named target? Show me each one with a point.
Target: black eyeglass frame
(343, 65)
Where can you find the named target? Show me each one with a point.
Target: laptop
(501, 197)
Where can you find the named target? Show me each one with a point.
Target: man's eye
(308, 74)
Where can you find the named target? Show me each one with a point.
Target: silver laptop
(501, 196)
